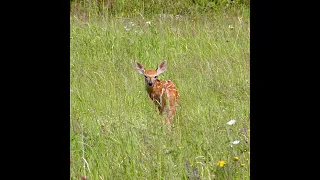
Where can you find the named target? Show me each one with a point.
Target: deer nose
(150, 83)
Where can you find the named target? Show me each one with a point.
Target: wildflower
(245, 129)
(221, 163)
(231, 122)
(126, 28)
(235, 142)
(148, 22)
(178, 17)
(187, 166)
(166, 151)
(236, 158)
(196, 173)
(240, 19)
(131, 23)
(163, 16)
(231, 27)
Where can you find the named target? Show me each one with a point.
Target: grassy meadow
(115, 130)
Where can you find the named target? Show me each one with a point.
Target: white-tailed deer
(163, 93)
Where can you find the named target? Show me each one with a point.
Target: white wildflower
(163, 16)
(148, 22)
(127, 28)
(178, 17)
(231, 122)
(131, 23)
(235, 142)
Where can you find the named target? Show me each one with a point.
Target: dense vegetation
(115, 130)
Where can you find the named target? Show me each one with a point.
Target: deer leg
(161, 113)
(171, 109)
(169, 118)
(169, 113)
(160, 110)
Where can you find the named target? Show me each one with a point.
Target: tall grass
(116, 132)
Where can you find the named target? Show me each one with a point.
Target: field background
(115, 131)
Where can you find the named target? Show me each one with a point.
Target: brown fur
(164, 94)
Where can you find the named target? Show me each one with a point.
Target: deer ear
(162, 67)
(140, 68)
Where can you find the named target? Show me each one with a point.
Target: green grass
(116, 132)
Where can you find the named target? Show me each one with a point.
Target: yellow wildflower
(221, 163)
(236, 158)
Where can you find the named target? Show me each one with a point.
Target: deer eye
(145, 76)
(155, 76)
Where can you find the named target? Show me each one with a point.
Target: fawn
(160, 92)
